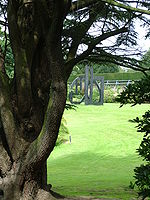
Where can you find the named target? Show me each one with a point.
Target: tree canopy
(86, 40)
(146, 59)
(88, 24)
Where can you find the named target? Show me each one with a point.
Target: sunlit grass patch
(102, 155)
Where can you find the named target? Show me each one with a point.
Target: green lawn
(100, 160)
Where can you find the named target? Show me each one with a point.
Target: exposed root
(44, 195)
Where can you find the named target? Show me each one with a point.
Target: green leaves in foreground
(63, 131)
(142, 173)
(142, 176)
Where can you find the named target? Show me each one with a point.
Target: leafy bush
(142, 176)
(63, 131)
(110, 94)
(95, 95)
(142, 173)
(136, 93)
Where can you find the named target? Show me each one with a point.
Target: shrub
(63, 131)
(110, 94)
(142, 173)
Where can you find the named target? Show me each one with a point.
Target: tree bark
(32, 108)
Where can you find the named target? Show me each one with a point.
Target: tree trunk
(31, 107)
(23, 171)
(20, 186)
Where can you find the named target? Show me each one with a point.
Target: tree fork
(27, 174)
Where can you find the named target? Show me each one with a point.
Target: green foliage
(9, 63)
(95, 95)
(113, 76)
(146, 60)
(63, 131)
(104, 68)
(110, 94)
(142, 176)
(98, 68)
(109, 16)
(7, 51)
(122, 76)
(142, 173)
(70, 106)
(144, 124)
(139, 92)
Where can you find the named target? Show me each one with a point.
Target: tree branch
(126, 7)
(85, 3)
(127, 62)
(7, 117)
(12, 144)
(5, 161)
(79, 33)
(41, 148)
(3, 23)
(79, 4)
(22, 68)
(92, 45)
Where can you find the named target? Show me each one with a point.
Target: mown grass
(100, 160)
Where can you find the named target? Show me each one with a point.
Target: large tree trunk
(32, 107)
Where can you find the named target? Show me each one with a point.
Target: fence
(118, 82)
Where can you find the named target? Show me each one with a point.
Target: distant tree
(146, 60)
(97, 67)
(104, 68)
(48, 38)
